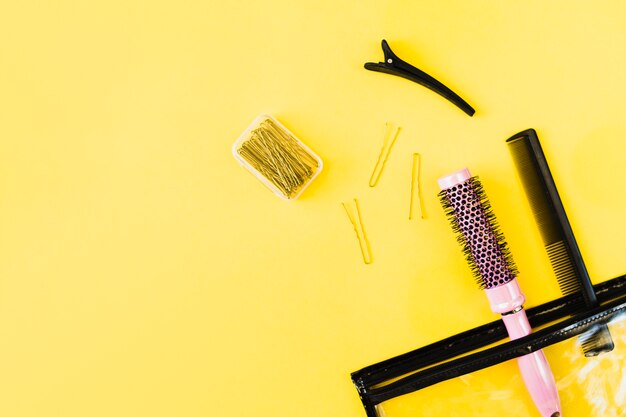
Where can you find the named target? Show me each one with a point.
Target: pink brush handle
(507, 300)
(534, 368)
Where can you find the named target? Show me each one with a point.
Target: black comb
(556, 232)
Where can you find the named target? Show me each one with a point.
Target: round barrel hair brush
(488, 255)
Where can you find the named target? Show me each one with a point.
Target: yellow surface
(143, 273)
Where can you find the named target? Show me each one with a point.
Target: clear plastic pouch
(588, 386)
(474, 373)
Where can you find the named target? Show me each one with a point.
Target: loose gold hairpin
(384, 153)
(359, 230)
(416, 169)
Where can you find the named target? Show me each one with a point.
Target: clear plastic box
(277, 157)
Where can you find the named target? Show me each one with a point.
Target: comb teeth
(535, 189)
(472, 219)
(562, 267)
(596, 341)
(545, 214)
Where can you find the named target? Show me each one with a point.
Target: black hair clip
(395, 66)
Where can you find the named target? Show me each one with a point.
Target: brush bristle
(484, 246)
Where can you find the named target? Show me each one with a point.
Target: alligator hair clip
(395, 66)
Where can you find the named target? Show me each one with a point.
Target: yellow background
(144, 273)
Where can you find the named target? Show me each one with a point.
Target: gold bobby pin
(417, 166)
(359, 229)
(384, 154)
